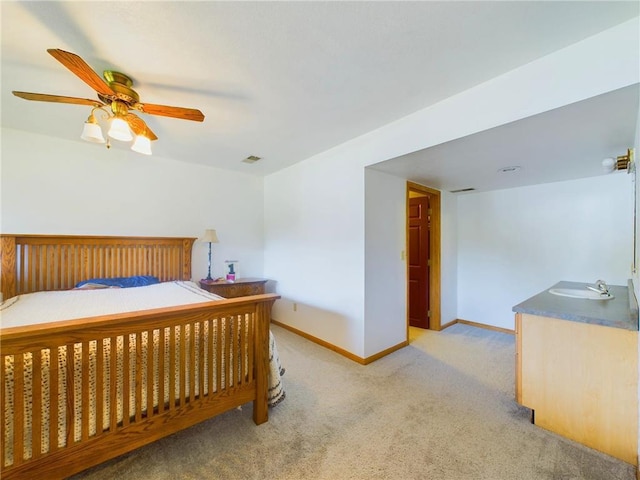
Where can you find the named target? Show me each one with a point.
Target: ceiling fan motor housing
(121, 84)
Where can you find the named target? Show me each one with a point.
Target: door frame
(434, 253)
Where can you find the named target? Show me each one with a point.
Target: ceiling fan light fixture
(119, 130)
(142, 145)
(115, 92)
(92, 131)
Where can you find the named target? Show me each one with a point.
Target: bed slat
(192, 361)
(228, 369)
(161, 355)
(70, 396)
(36, 409)
(126, 379)
(3, 411)
(219, 349)
(243, 341)
(54, 388)
(201, 359)
(99, 387)
(182, 364)
(84, 404)
(150, 376)
(210, 358)
(113, 386)
(138, 412)
(172, 367)
(18, 408)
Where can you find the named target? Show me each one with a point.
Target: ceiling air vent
(510, 169)
(251, 159)
(463, 190)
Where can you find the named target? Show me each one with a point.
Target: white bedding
(43, 307)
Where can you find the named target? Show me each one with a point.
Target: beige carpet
(442, 408)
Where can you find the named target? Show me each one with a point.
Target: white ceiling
(563, 144)
(287, 80)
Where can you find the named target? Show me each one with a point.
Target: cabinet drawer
(232, 291)
(240, 288)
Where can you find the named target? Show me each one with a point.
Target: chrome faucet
(600, 286)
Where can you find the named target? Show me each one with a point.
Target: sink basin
(580, 293)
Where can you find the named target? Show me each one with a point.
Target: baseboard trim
(480, 325)
(341, 351)
(386, 352)
(449, 324)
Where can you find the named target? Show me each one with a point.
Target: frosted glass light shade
(608, 165)
(120, 130)
(92, 133)
(142, 145)
(209, 236)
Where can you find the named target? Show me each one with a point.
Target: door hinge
(428, 263)
(429, 211)
(429, 313)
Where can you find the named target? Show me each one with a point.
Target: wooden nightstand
(240, 288)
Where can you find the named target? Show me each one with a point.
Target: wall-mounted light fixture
(621, 162)
(123, 126)
(625, 162)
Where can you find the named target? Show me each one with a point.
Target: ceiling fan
(115, 92)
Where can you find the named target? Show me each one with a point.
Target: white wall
(385, 269)
(57, 186)
(314, 248)
(448, 257)
(514, 243)
(325, 193)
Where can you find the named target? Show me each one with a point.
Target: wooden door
(418, 255)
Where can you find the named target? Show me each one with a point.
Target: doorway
(423, 257)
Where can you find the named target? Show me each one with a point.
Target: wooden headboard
(32, 263)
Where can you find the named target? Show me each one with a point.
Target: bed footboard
(77, 393)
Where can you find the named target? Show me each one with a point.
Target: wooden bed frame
(33, 263)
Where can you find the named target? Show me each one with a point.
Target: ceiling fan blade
(139, 126)
(79, 67)
(43, 97)
(166, 111)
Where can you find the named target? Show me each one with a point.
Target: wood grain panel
(582, 381)
(32, 263)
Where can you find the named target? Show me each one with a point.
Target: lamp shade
(209, 236)
(142, 145)
(120, 130)
(92, 133)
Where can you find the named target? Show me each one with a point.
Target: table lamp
(210, 237)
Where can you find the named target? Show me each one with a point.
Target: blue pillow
(121, 282)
